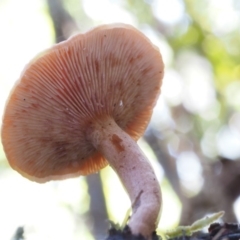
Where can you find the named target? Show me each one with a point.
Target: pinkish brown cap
(112, 70)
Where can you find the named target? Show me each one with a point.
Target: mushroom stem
(135, 172)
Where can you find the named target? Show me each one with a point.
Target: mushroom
(81, 105)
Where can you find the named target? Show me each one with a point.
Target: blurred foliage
(141, 10)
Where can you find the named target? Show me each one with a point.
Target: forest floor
(216, 231)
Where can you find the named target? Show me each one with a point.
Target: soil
(216, 231)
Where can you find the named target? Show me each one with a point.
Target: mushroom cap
(111, 71)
